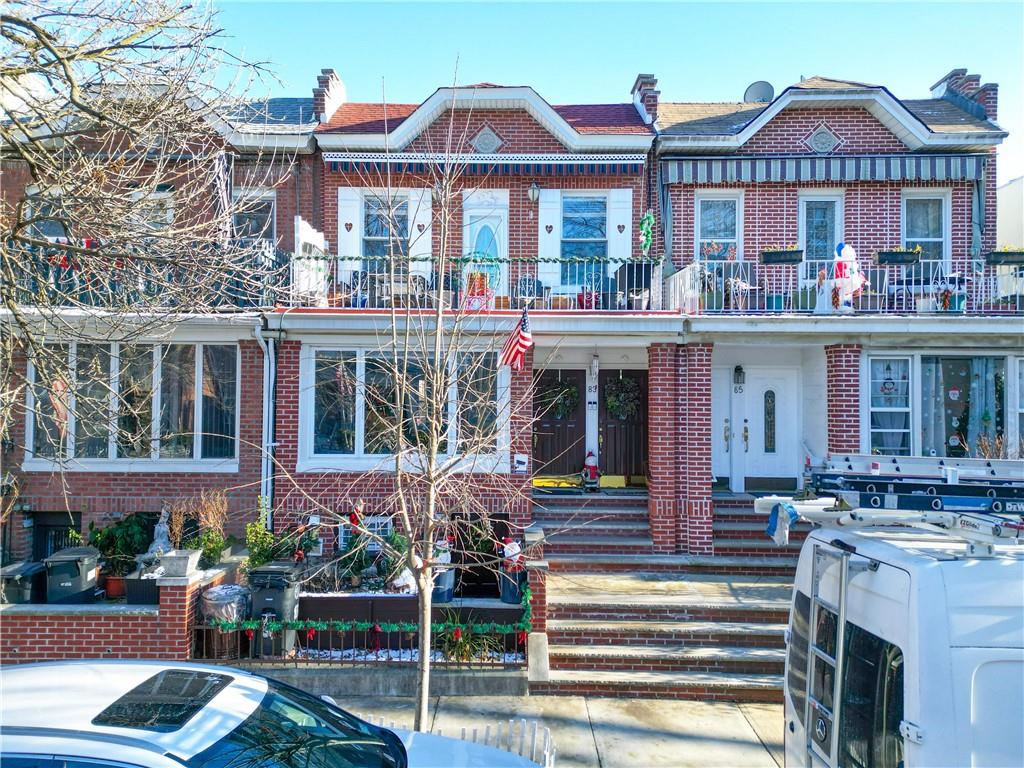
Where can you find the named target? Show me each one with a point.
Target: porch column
(520, 511)
(842, 377)
(663, 439)
(696, 535)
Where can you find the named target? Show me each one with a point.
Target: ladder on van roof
(981, 531)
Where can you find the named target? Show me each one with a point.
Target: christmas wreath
(559, 399)
(622, 398)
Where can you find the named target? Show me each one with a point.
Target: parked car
(128, 714)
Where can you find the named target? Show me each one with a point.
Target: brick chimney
(328, 95)
(966, 91)
(645, 97)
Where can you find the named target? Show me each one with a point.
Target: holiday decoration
(848, 281)
(559, 399)
(591, 474)
(646, 232)
(623, 398)
(514, 561)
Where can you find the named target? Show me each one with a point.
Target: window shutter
(350, 229)
(620, 214)
(549, 244)
(420, 233)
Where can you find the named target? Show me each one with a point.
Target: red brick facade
(842, 369)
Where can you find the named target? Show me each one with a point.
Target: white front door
(756, 428)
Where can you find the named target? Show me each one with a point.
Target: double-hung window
(584, 239)
(925, 226)
(385, 231)
(253, 218)
(100, 401)
(821, 228)
(890, 395)
(719, 227)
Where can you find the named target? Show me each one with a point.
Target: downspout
(269, 396)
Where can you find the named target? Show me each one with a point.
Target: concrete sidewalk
(613, 733)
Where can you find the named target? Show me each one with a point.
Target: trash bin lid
(21, 570)
(73, 553)
(276, 572)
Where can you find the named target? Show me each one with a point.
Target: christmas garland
(622, 398)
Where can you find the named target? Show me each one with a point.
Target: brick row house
(694, 367)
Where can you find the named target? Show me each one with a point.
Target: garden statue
(161, 535)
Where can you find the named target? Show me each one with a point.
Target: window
(872, 702)
(769, 421)
(155, 210)
(962, 406)
(718, 228)
(1020, 407)
(385, 231)
(379, 526)
(796, 668)
(254, 219)
(164, 702)
(924, 225)
(352, 410)
(584, 239)
(821, 220)
(890, 406)
(97, 401)
(45, 218)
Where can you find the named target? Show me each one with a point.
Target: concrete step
(599, 527)
(584, 545)
(665, 633)
(780, 563)
(731, 547)
(669, 657)
(590, 513)
(706, 686)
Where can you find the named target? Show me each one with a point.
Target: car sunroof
(164, 702)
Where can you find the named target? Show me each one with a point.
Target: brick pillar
(537, 580)
(520, 511)
(662, 445)
(695, 440)
(842, 376)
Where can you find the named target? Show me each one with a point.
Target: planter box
(890, 258)
(782, 257)
(141, 591)
(1005, 257)
(180, 562)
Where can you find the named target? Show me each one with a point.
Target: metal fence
(466, 646)
(927, 287)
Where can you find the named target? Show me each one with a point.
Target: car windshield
(292, 729)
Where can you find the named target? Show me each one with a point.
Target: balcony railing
(927, 287)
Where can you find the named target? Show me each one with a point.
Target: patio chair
(528, 291)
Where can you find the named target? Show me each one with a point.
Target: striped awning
(494, 168)
(731, 170)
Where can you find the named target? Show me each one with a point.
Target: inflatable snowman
(837, 295)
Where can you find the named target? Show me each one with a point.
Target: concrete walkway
(613, 733)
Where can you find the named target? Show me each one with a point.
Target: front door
(755, 436)
(622, 423)
(559, 422)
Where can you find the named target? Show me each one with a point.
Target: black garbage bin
(275, 597)
(71, 575)
(24, 582)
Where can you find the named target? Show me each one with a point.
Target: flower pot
(782, 257)
(114, 586)
(775, 302)
(444, 586)
(180, 562)
(890, 258)
(1004, 257)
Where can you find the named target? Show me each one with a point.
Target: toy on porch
(590, 473)
(848, 281)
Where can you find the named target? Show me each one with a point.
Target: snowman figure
(848, 280)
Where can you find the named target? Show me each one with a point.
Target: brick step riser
(753, 533)
(737, 503)
(555, 532)
(727, 570)
(752, 695)
(592, 500)
(727, 551)
(637, 613)
(611, 547)
(654, 638)
(668, 665)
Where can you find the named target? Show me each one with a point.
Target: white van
(912, 643)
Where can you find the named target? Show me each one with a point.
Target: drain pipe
(269, 396)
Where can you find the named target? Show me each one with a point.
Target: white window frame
(930, 193)
(308, 461)
(1015, 396)
(153, 463)
(258, 194)
(377, 525)
(1009, 409)
(909, 409)
(815, 195)
(718, 194)
(397, 195)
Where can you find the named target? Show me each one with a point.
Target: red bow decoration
(457, 634)
(299, 555)
(377, 631)
(310, 634)
(249, 633)
(353, 519)
(521, 637)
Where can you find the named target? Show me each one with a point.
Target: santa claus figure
(848, 280)
(591, 474)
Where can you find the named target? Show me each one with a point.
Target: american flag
(515, 348)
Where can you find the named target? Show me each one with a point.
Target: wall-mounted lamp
(595, 366)
(533, 193)
(738, 376)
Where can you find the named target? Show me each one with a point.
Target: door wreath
(622, 398)
(558, 399)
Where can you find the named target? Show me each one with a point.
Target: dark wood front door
(622, 422)
(560, 424)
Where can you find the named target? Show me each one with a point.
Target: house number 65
(737, 389)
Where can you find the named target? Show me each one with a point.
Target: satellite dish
(759, 91)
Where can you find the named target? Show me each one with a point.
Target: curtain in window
(962, 406)
(177, 401)
(219, 401)
(92, 401)
(52, 394)
(933, 419)
(983, 422)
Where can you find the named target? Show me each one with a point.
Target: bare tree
(117, 209)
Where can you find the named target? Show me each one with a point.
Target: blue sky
(592, 51)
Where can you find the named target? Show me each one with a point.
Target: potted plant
(782, 254)
(1008, 255)
(119, 543)
(898, 255)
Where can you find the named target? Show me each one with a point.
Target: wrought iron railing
(925, 287)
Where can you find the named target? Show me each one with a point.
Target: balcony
(927, 287)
